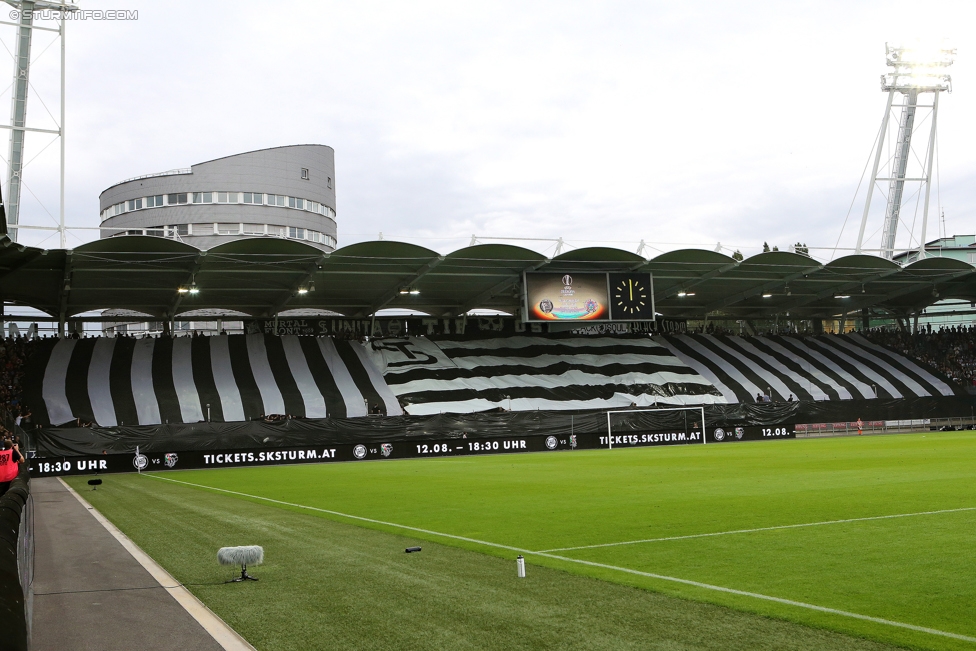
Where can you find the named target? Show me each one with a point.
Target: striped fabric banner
(526, 372)
(114, 382)
(825, 367)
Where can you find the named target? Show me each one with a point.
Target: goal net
(656, 426)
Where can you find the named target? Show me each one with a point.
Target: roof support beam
(495, 289)
(935, 283)
(393, 292)
(27, 259)
(840, 289)
(65, 293)
(756, 291)
(310, 270)
(688, 284)
(194, 268)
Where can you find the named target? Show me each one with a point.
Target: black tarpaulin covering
(14, 587)
(52, 442)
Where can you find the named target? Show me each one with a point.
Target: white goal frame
(699, 409)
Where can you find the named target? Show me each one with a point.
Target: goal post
(655, 426)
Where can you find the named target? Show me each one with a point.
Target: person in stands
(10, 460)
(759, 397)
(860, 427)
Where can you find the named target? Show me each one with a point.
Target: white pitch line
(219, 630)
(734, 531)
(779, 600)
(662, 577)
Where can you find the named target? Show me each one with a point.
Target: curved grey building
(285, 192)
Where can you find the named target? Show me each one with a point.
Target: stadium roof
(262, 277)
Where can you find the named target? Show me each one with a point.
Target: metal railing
(952, 423)
(186, 170)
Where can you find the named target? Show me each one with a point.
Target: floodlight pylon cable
(853, 199)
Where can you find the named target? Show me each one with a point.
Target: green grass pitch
(332, 581)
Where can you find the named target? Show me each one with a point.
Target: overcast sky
(677, 123)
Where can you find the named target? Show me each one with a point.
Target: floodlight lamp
(767, 295)
(414, 292)
(842, 295)
(920, 67)
(920, 54)
(405, 290)
(194, 289)
(682, 294)
(183, 290)
(302, 290)
(689, 293)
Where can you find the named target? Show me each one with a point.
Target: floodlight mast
(25, 10)
(915, 71)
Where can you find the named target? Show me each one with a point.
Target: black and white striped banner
(527, 373)
(151, 381)
(826, 367)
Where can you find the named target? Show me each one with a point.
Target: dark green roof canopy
(262, 277)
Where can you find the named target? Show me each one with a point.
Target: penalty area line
(757, 529)
(616, 568)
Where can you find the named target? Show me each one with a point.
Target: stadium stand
(823, 367)
(122, 381)
(13, 353)
(230, 378)
(950, 350)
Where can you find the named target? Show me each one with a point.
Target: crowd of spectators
(274, 418)
(949, 350)
(14, 351)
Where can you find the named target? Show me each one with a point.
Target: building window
(276, 200)
(179, 229)
(277, 231)
(226, 197)
(254, 229)
(296, 233)
(304, 173)
(176, 199)
(330, 182)
(203, 197)
(135, 204)
(156, 231)
(228, 229)
(154, 202)
(253, 197)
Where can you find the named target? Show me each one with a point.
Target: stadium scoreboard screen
(588, 297)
